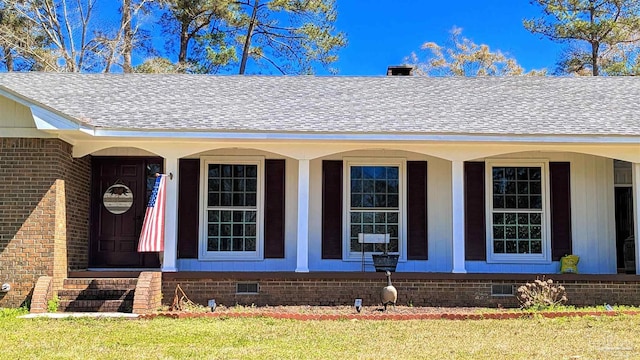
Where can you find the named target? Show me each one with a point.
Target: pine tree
(596, 30)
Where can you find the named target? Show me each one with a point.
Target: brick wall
(148, 295)
(77, 177)
(44, 211)
(295, 290)
(333, 292)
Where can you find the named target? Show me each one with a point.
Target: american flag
(152, 234)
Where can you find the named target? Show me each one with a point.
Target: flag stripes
(152, 234)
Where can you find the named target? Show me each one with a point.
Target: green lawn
(263, 338)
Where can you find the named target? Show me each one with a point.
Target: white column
(170, 256)
(457, 215)
(635, 170)
(302, 252)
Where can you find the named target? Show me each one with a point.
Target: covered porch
(591, 184)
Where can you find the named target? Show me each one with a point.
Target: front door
(120, 190)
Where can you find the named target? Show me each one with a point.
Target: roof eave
(336, 136)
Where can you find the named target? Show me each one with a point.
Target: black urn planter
(385, 262)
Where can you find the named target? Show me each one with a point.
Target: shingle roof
(380, 105)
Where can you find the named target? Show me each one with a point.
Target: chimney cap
(400, 70)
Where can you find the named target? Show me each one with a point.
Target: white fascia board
(577, 139)
(48, 120)
(87, 130)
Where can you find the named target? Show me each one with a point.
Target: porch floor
(356, 275)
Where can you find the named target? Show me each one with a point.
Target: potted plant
(385, 261)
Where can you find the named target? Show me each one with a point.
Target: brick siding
(44, 212)
(338, 292)
(148, 294)
(294, 290)
(77, 176)
(42, 293)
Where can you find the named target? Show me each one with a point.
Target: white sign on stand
(364, 238)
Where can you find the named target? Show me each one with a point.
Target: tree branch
(273, 63)
(72, 46)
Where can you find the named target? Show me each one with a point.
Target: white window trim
(347, 255)
(203, 254)
(545, 256)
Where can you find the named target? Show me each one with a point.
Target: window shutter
(474, 211)
(274, 213)
(332, 209)
(417, 247)
(188, 208)
(560, 185)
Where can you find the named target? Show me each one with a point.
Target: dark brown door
(117, 219)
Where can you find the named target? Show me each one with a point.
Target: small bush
(11, 312)
(53, 304)
(541, 294)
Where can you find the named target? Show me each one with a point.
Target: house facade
(283, 179)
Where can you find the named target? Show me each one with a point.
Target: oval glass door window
(118, 199)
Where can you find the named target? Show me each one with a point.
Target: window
(232, 209)
(517, 224)
(374, 204)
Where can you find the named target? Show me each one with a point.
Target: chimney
(402, 70)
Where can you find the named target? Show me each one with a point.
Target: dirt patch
(351, 310)
(343, 313)
(374, 313)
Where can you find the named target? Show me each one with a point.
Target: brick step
(96, 294)
(104, 284)
(125, 306)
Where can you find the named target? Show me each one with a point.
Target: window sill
(368, 258)
(230, 258)
(518, 260)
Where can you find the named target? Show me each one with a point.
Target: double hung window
(374, 204)
(232, 209)
(517, 223)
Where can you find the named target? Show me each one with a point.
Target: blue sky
(383, 32)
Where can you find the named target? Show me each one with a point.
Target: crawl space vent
(246, 288)
(502, 290)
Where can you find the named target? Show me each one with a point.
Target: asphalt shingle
(378, 105)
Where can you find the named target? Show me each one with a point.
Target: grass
(265, 338)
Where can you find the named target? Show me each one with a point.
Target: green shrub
(53, 304)
(541, 294)
(12, 312)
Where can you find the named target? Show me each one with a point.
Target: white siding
(438, 210)
(592, 216)
(593, 226)
(592, 205)
(286, 264)
(14, 115)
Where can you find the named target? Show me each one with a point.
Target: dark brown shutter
(475, 246)
(274, 209)
(188, 211)
(417, 248)
(559, 174)
(332, 209)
